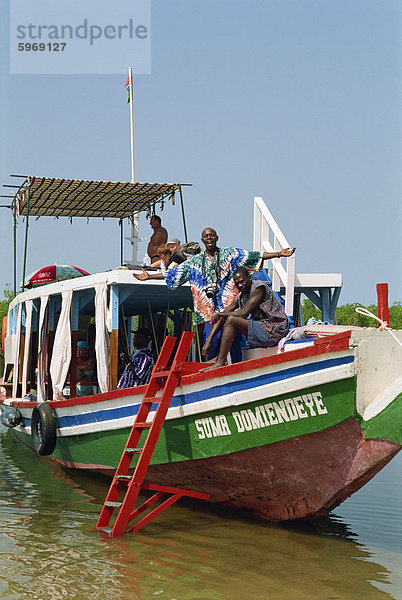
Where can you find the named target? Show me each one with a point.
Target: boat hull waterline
(281, 436)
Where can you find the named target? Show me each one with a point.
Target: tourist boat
(284, 434)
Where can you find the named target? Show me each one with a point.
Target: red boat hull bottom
(298, 478)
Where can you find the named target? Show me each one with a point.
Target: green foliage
(347, 315)
(395, 315)
(310, 310)
(7, 297)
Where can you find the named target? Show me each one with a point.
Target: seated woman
(139, 367)
(85, 370)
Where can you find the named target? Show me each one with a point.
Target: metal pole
(15, 243)
(134, 237)
(121, 241)
(135, 220)
(14, 209)
(26, 238)
(130, 80)
(153, 327)
(182, 213)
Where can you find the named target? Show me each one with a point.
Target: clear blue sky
(296, 101)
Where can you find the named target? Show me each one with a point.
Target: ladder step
(113, 504)
(123, 477)
(143, 425)
(161, 375)
(105, 529)
(152, 400)
(133, 450)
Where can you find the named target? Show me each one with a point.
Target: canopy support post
(15, 243)
(26, 240)
(121, 241)
(75, 313)
(182, 214)
(114, 337)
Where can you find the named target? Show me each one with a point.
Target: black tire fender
(43, 429)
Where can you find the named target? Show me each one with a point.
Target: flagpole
(134, 226)
(130, 83)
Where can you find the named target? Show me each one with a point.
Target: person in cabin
(139, 366)
(85, 370)
(159, 237)
(210, 274)
(255, 312)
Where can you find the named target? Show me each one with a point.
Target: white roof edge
(317, 280)
(115, 276)
(125, 276)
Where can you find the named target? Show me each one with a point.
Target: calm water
(193, 551)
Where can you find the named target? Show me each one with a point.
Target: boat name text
(265, 415)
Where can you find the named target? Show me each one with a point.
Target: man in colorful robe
(210, 275)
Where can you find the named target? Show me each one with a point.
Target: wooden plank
(33, 361)
(49, 354)
(114, 358)
(27, 374)
(21, 357)
(73, 364)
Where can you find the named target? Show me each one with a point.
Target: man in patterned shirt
(210, 275)
(255, 312)
(139, 367)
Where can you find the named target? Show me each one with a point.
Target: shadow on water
(193, 551)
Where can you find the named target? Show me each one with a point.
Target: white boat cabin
(44, 324)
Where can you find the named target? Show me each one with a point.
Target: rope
(153, 327)
(125, 328)
(383, 324)
(197, 341)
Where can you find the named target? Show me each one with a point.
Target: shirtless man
(159, 237)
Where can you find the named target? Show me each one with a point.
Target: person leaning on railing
(168, 259)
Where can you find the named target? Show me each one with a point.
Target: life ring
(4, 333)
(43, 429)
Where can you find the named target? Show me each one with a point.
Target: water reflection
(193, 551)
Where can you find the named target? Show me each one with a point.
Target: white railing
(269, 238)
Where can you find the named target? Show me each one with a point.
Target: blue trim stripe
(242, 385)
(112, 414)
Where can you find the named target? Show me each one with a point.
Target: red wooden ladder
(131, 485)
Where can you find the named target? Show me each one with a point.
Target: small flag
(127, 87)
